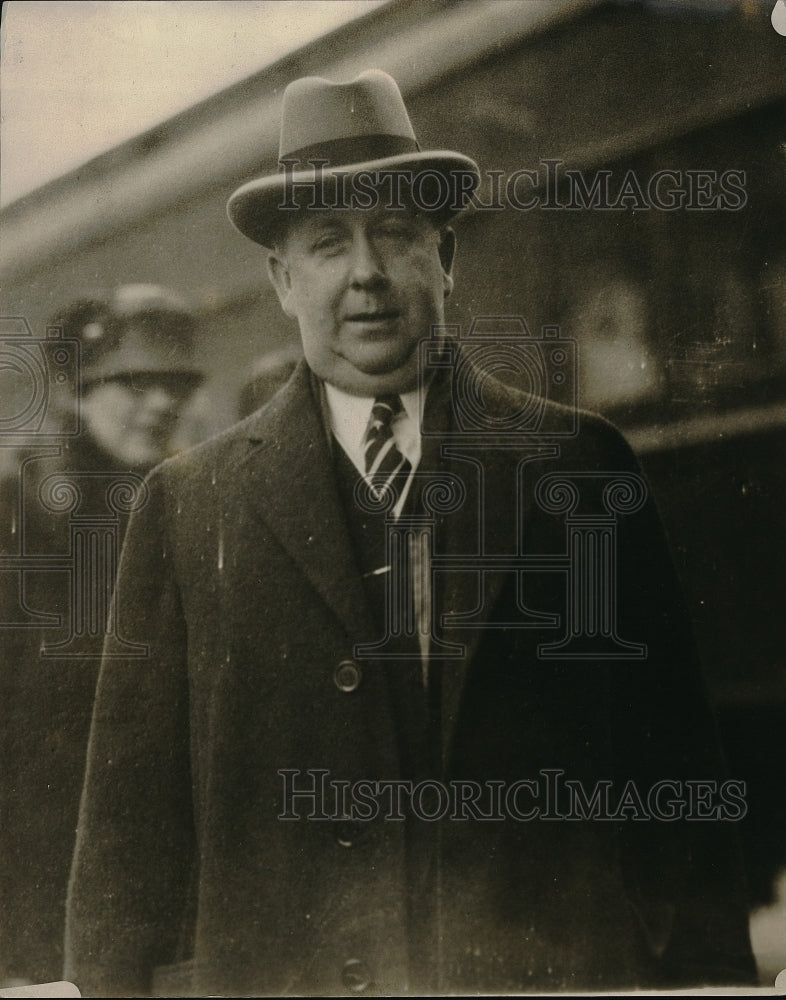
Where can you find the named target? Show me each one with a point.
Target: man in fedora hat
(134, 376)
(339, 762)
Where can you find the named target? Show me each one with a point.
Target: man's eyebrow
(318, 225)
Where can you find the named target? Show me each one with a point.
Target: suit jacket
(239, 576)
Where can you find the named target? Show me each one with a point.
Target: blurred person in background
(135, 376)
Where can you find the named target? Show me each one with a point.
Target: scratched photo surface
(392, 426)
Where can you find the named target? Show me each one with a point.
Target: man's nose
(366, 266)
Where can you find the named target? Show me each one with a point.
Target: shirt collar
(347, 417)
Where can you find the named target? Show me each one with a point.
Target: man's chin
(391, 370)
(141, 457)
(381, 358)
(375, 379)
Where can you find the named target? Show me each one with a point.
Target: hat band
(353, 149)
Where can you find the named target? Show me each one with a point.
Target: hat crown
(132, 329)
(136, 300)
(317, 112)
(332, 131)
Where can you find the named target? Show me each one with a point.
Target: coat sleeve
(135, 841)
(683, 865)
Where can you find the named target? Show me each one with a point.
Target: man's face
(132, 417)
(366, 288)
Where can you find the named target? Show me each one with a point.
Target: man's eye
(396, 229)
(331, 241)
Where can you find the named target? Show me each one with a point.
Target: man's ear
(447, 251)
(278, 272)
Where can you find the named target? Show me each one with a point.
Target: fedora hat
(331, 133)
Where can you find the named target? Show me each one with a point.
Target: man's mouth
(374, 316)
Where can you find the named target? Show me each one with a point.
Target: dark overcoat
(240, 580)
(50, 651)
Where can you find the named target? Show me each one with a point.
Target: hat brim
(190, 377)
(440, 185)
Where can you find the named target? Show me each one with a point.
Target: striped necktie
(386, 467)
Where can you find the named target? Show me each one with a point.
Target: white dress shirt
(349, 417)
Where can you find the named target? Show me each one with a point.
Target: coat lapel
(467, 589)
(487, 522)
(292, 488)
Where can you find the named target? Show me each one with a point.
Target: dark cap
(134, 329)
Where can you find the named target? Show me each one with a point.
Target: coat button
(344, 837)
(348, 832)
(347, 676)
(355, 976)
